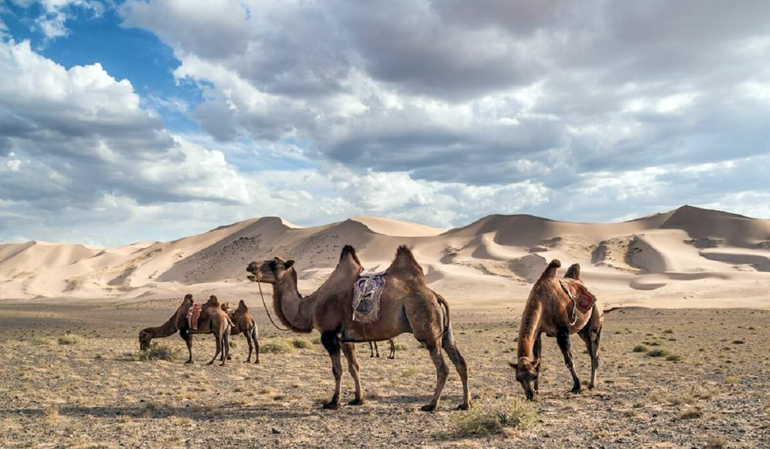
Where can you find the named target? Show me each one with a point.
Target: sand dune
(684, 257)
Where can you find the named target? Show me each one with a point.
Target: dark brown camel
(212, 320)
(407, 305)
(244, 323)
(549, 309)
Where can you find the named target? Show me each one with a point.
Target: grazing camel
(373, 348)
(212, 320)
(244, 323)
(406, 305)
(550, 309)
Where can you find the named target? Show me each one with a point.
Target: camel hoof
(356, 402)
(331, 406)
(428, 408)
(189, 362)
(463, 407)
(575, 390)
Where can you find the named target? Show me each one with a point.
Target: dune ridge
(685, 257)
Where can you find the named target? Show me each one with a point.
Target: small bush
(301, 343)
(658, 353)
(731, 380)
(641, 348)
(691, 413)
(673, 357)
(495, 417)
(410, 372)
(39, 341)
(316, 340)
(71, 339)
(738, 342)
(157, 352)
(715, 442)
(401, 347)
(668, 331)
(276, 346)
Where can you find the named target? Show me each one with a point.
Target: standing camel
(212, 320)
(244, 323)
(374, 348)
(550, 309)
(406, 305)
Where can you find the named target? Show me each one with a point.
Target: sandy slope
(688, 257)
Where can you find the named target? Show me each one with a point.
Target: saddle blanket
(584, 300)
(193, 314)
(367, 292)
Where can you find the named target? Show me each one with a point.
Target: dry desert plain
(685, 361)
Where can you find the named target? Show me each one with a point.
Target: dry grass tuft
(276, 346)
(495, 417)
(691, 413)
(301, 343)
(641, 348)
(410, 372)
(157, 352)
(40, 341)
(715, 442)
(71, 339)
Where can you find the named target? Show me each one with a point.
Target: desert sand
(687, 257)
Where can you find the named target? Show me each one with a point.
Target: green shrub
(401, 347)
(673, 357)
(641, 348)
(495, 417)
(39, 341)
(71, 339)
(658, 353)
(409, 372)
(157, 352)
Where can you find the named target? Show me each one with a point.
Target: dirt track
(95, 394)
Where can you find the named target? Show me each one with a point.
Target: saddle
(367, 292)
(582, 299)
(193, 314)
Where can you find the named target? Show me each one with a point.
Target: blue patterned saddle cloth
(367, 292)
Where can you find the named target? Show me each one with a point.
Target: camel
(549, 309)
(244, 323)
(373, 348)
(212, 320)
(407, 306)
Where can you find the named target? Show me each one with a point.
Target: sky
(136, 120)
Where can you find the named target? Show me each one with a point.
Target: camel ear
(514, 365)
(288, 264)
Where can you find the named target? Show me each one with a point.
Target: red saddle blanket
(584, 300)
(193, 314)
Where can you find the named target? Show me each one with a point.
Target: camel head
(145, 337)
(526, 374)
(269, 271)
(225, 306)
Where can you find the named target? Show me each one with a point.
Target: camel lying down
(550, 309)
(212, 320)
(407, 305)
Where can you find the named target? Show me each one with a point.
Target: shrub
(409, 372)
(691, 413)
(401, 347)
(495, 417)
(658, 353)
(157, 352)
(276, 346)
(71, 339)
(673, 357)
(301, 343)
(39, 341)
(641, 348)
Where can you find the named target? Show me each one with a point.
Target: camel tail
(550, 270)
(445, 305)
(254, 332)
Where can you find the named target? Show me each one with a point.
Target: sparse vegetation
(499, 416)
(658, 353)
(401, 347)
(301, 343)
(641, 348)
(691, 413)
(71, 339)
(276, 346)
(410, 372)
(40, 341)
(157, 352)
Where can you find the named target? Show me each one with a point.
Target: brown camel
(407, 305)
(244, 323)
(373, 348)
(550, 309)
(212, 320)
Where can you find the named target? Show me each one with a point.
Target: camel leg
(538, 358)
(392, 349)
(251, 345)
(187, 337)
(331, 342)
(459, 362)
(350, 353)
(594, 357)
(562, 338)
(219, 349)
(256, 343)
(441, 374)
(226, 346)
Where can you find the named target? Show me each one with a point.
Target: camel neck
(166, 329)
(530, 326)
(292, 309)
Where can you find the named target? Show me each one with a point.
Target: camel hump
(550, 270)
(573, 271)
(405, 259)
(348, 249)
(242, 305)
